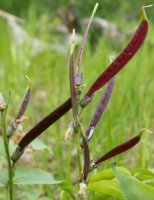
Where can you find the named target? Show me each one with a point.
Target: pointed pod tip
(28, 80)
(143, 14)
(144, 130)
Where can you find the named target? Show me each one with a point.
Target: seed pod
(24, 102)
(86, 158)
(123, 58)
(119, 149)
(99, 110)
(22, 110)
(43, 125)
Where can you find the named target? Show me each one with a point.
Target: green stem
(6, 147)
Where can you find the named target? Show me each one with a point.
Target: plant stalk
(78, 152)
(6, 147)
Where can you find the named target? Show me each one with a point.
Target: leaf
(132, 188)
(100, 196)
(107, 188)
(29, 193)
(3, 178)
(149, 182)
(143, 174)
(39, 145)
(2, 150)
(107, 174)
(31, 176)
(68, 188)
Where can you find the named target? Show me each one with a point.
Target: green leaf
(149, 182)
(30, 176)
(29, 193)
(99, 196)
(65, 196)
(39, 145)
(133, 188)
(108, 174)
(3, 178)
(107, 188)
(68, 188)
(143, 174)
(2, 150)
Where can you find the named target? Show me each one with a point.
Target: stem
(78, 152)
(6, 147)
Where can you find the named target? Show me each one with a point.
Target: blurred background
(35, 39)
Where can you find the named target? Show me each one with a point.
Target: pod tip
(143, 14)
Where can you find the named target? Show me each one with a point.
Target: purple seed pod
(24, 104)
(100, 109)
(123, 58)
(119, 149)
(21, 112)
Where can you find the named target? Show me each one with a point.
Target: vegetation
(128, 112)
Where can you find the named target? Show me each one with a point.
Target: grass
(130, 108)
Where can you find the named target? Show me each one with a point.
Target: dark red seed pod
(123, 58)
(86, 158)
(119, 149)
(45, 123)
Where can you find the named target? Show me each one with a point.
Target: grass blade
(84, 40)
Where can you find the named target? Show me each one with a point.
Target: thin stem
(6, 147)
(78, 152)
